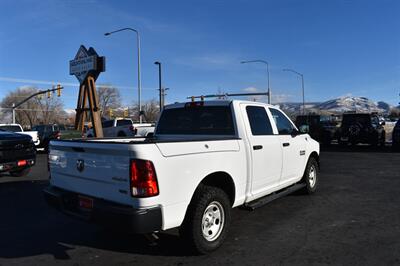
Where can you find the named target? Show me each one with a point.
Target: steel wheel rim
(213, 221)
(312, 176)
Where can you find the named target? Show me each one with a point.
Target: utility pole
(163, 97)
(49, 91)
(161, 90)
(139, 68)
(13, 113)
(302, 86)
(267, 64)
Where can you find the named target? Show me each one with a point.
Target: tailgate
(95, 169)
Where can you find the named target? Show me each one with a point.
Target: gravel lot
(353, 219)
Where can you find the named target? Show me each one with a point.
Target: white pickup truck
(204, 159)
(123, 127)
(17, 128)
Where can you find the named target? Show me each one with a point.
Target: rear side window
(11, 128)
(124, 122)
(259, 121)
(107, 123)
(285, 127)
(197, 120)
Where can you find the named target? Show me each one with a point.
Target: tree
(109, 97)
(39, 109)
(150, 108)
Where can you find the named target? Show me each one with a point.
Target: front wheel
(310, 177)
(207, 220)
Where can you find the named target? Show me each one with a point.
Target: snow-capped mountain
(340, 105)
(348, 104)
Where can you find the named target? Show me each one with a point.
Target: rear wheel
(20, 173)
(383, 139)
(310, 177)
(207, 220)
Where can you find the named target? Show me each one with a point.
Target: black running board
(276, 195)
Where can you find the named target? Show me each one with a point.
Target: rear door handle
(286, 144)
(257, 147)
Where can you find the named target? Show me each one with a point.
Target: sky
(341, 47)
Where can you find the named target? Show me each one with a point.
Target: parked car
(54, 131)
(362, 128)
(17, 153)
(123, 127)
(17, 128)
(396, 136)
(204, 159)
(322, 128)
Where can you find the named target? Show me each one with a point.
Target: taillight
(58, 135)
(133, 129)
(143, 179)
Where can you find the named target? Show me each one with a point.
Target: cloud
(209, 61)
(275, 98)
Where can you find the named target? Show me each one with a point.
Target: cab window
(285, 127)
(259, 121)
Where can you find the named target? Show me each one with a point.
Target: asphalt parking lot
(353, 219)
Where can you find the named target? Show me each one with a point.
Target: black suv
(396, 136)
(322, 128)
(47, 133)
(362, 128)
(17, 153)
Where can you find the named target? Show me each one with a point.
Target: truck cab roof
(212, 103)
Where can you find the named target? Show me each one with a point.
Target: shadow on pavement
(29, 227)
(358, 148)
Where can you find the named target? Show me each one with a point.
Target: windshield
(197, 120)
(11, 128)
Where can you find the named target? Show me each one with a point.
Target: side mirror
(294, 133)
(304, 129)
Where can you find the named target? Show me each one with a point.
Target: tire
(310, 177)
(207, 203)
(383, 139)
(20, 173)
(395, 146)
(342, 143)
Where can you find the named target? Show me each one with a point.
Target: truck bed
(150, 140)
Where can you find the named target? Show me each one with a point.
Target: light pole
(160, 85)
(138, 56)
(302, 85)
(13, 113)
(263, 62)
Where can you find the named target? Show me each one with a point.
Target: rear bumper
(105, 212)
(9, 166)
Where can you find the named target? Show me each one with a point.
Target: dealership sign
(86, 62)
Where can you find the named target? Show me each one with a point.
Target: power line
(65, 84)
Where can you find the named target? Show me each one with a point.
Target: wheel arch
(314, 155)
(221, 180)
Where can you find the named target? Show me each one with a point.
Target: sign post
(87, 66)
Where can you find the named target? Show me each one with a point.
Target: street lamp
(160, 85)
(263, 62)
(138, 55)
(302, 85)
